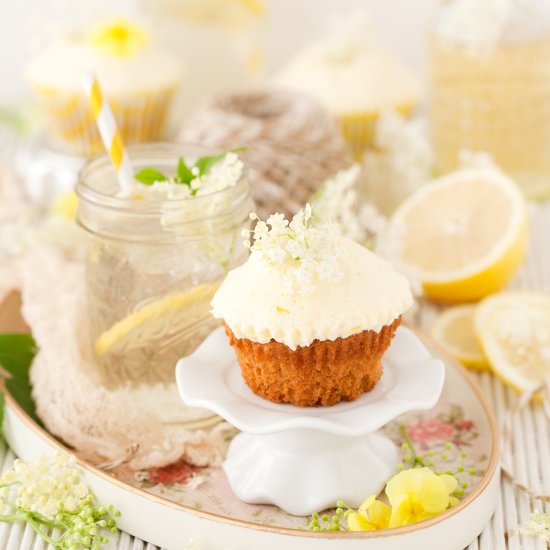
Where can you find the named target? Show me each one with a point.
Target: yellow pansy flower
(372, 514)
(418, 494)
(119, 37)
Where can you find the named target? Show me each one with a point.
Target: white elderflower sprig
(49, 494)
(304, 251)
(337, 204)
(401, 162)
(537, 525)
(226, 173)
(336, 201)
(222, 175)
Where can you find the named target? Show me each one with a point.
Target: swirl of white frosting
(367, 295)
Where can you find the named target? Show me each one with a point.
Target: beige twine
(292, 143)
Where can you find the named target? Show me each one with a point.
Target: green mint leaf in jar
(184, 172)
(148, 176)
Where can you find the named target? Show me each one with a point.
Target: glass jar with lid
(490, 83)
(154, 260)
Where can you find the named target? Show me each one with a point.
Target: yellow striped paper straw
(110, 135)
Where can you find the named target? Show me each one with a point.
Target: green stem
(12, 517)
(39, 518)
(417, 460)
(40, 532)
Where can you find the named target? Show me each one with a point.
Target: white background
(401, 27)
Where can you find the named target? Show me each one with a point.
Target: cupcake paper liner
(321, 374)
(140, 118)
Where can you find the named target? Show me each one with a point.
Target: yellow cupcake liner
(140, 117)
(358, 129)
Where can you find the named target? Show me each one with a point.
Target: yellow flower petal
(358, 522)
(450, 482)
(417, 494)
(453, 501)
(403, 485)
(119, 37)
(377, 512)
(434, 496)
(402, 515)
(367, 503)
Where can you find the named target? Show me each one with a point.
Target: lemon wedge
(514, 331)
(158, 321)
(462, 235)
(454, 330)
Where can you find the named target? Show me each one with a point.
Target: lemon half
(514, 331)
(462, 235)
(454, 330)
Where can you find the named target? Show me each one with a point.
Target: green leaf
(2, 405)
(16, 354)
(184, 172)
(204, 164)
(148, 176)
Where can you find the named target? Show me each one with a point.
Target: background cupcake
(138, 79)
(311, 313)
(354, 80)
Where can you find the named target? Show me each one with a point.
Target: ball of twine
(292, 144)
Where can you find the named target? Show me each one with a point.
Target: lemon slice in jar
(454, 330)
(514, 331)
(176, 311)
(463, 235)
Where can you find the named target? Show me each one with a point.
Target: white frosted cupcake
(311, 313)
(354, 81)
(138, 80)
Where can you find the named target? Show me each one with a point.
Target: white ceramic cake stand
(303, 459)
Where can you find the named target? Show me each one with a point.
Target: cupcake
(354, 81)
(311, 313)
(137, 79)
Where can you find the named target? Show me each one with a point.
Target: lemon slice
(158, 321)
(463, 235)
(514, 331)
(454, 330)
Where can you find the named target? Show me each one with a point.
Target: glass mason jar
(495, 97)
(154, 264)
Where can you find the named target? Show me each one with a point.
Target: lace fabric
(145, 426)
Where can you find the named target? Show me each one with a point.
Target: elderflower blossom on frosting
(303, 250)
